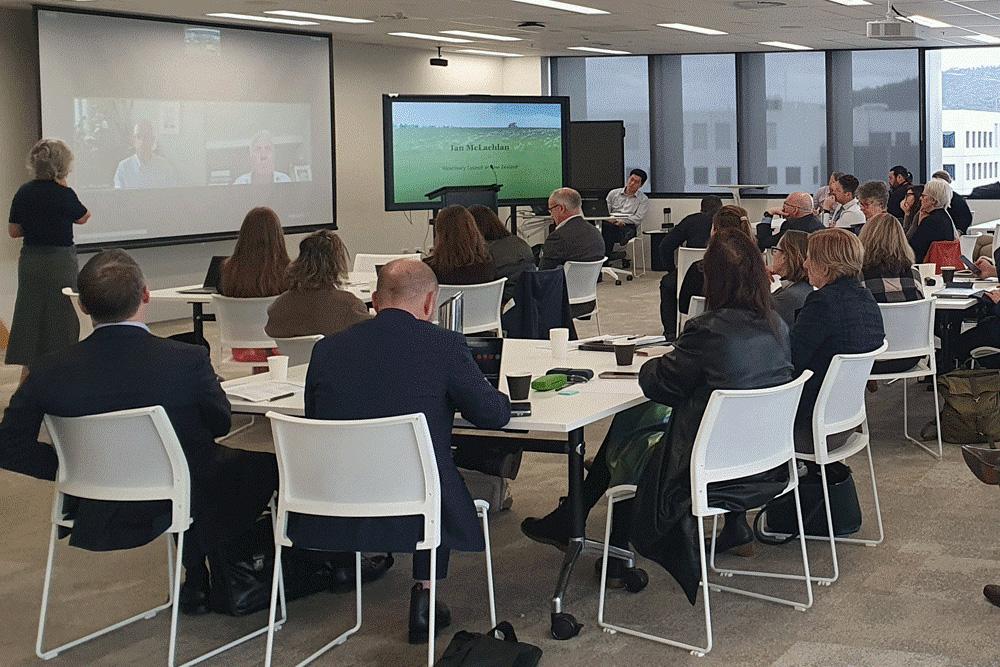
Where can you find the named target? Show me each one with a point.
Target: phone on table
(618, 375)
(520, 409)
(976, 271)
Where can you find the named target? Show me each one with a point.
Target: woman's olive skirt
(45, 319)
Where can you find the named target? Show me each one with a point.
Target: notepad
(264, 391)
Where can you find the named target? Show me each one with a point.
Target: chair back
(909, 329)
(724, 448)
(242, 321)
(86, 324)
(840, 405)
(685, 258)
(696, 307)
(480, 304)
(968, 244)
(358, 468)
(298, 349)
(581, 280)
(129, 455)
(365, 263)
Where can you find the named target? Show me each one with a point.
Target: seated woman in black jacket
(936, 225)
(738, 343)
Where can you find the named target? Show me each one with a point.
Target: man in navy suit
(395, 364)
(122, 366)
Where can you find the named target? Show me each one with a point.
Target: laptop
(596, 208)
(212, 278)
(487, 353)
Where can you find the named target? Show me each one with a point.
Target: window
(772, 175)
(968, 141)
(694, 120)
(950, 168)
(902, 139)
(772, 135)
(816, 174)
(793, 175)
(949, 140)
(587, 82)
(723, 175)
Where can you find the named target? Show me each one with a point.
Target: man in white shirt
(144, 169)
(262, 163)
(847, 213)
(627, 206)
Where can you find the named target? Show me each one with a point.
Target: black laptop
(211, 284)
(487, 352)
(596, 208)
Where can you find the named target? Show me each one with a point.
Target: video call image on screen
(178, 130)
(517, 145)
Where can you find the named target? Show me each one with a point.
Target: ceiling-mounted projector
(894, 30)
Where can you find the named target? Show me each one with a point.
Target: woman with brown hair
(789, 265)
(911, 209)
(314, 303)
(727, 217)
(460, 255)
(257, 268)
(511, 254)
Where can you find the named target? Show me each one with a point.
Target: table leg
(564, 625)
(197, 320)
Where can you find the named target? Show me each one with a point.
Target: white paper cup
(926, 271)
(559, 340)
(278, 367)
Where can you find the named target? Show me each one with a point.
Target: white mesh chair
(480, 305)
(128, 456)
(86, 325)
(724, 449)
(635, 249)
(697, 306)
(298, 349)
(581, 285)
(337, 468)
(685, 258)
(365, 263)
(241, 323)
(840, 407)
(909, 331)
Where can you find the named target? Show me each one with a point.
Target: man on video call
(627, 207)
(145, 168)
(262, 163)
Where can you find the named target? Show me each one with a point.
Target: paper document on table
(600, 386)
(264, 391)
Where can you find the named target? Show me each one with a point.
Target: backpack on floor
(971, 410)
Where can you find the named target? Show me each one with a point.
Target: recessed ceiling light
(432, 38)
(985, 39)
(851, 3)
(565, 6)
(318, 17)
(594, 49)
(480, 52)
(786, 45)
(260, 19)
(692, 28)
(481, 35)
(929, 22)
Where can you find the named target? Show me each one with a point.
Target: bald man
(797, 210)
(399, 363)
(574, 239)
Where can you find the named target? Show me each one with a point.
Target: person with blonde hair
(43, 213)
(314, 303)
(839, 317)
(789, 264)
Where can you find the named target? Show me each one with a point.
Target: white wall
(362, 73)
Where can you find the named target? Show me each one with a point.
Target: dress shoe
(420, 603)
(552, 529)
(193, 600)
(736, 537)
(372, 569)
(992, 593)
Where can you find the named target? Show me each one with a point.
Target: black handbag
(779, 514)
(497, 648)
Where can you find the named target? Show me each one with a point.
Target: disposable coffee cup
(278, 367)
(624, 351)
(948, 273)
(518, 386)
(559, 341)
(926, 271)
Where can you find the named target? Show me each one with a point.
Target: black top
(46, 211)
(935, 227)
(896, 196)
(960, 213)
(692, 232)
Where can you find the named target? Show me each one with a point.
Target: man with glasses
(573, 239)
(797, 210)
(873, 197)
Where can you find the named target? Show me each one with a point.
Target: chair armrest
(621, 492)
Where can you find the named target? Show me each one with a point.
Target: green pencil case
(549, 382)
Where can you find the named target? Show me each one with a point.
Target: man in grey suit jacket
(574, 239)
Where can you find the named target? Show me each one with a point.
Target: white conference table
(360, 285)
(563, 414)
(986, 227)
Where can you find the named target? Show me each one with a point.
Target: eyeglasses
(554, 206)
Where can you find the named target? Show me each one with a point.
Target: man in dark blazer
(122, 366)
(396, 364)
(900, 179)
(574, 238)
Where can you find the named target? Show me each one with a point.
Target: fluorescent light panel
(260, 19)
(481, 35)
(984, 39)
(929, 22)
(594, 49)
(431, 38)
(851, 3)
(786, 45)
(692, 28)
(318, 17)
(481, 52)
(564, 6)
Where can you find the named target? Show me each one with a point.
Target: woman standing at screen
(43, 213)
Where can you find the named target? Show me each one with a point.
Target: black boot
(736, 536)
(194, 591)
(372, 568)
(420, 603)
(552, 529)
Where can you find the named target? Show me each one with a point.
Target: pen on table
(278, 398)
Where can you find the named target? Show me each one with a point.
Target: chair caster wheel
(564, 626)
(629, 277)
(618, 282)
(635, 579)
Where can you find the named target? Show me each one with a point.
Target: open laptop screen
(487, 353)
